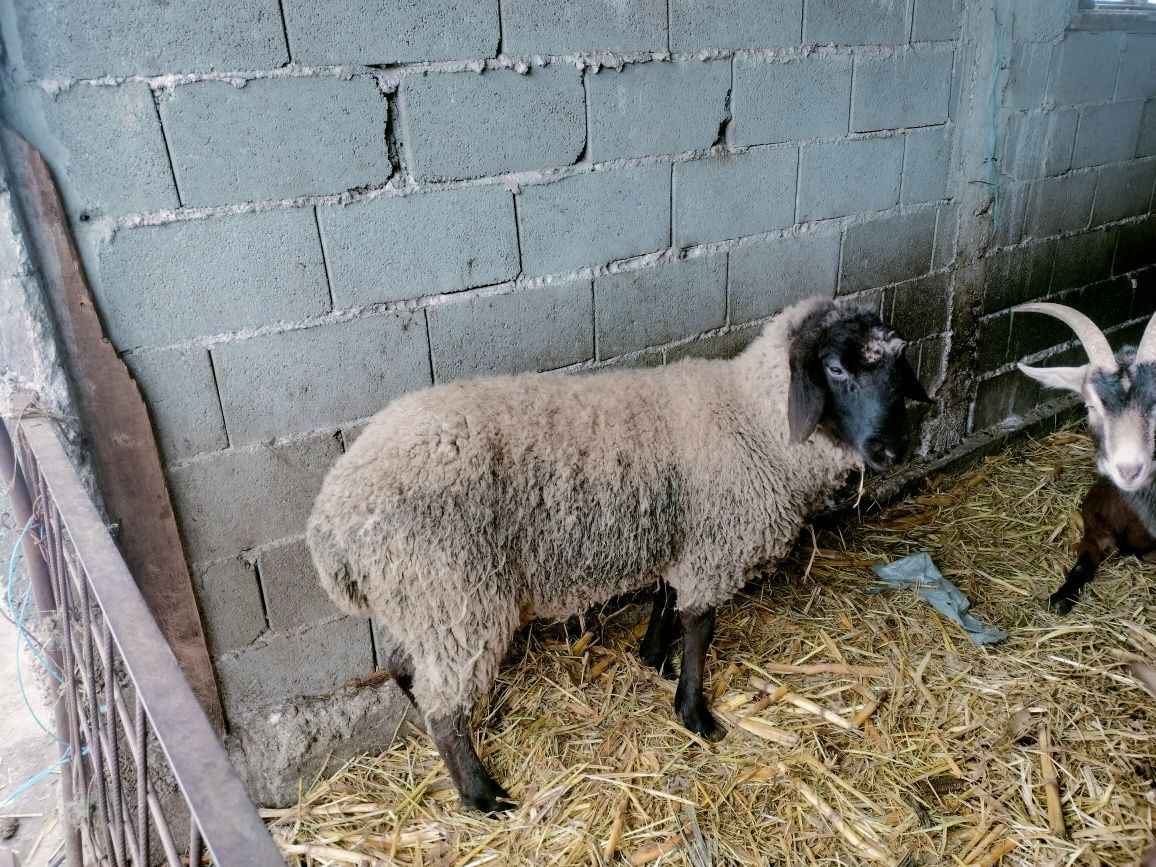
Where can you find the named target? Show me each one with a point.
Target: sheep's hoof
(702, 722)
(491, 799)
(1061, 604)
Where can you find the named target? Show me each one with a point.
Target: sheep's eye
(836, 371)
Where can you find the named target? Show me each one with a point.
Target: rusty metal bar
(106, 637)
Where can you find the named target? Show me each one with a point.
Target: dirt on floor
(863, 727)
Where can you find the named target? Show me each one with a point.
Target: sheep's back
(561, 491)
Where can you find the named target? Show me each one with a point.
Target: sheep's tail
(338, 580)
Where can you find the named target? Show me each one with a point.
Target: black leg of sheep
(660, 631)
(475, 785)
(689, 701)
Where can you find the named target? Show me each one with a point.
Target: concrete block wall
(293, 212)
(1074, 209)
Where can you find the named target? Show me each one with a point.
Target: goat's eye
(836, 371)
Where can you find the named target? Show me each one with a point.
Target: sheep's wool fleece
(466, 509)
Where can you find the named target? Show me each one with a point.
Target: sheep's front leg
(476, 787)
(689, 701)
(660, 631)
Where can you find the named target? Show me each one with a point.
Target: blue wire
(32, 781)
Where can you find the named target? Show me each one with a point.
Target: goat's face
(849, 374)
(1119, 391)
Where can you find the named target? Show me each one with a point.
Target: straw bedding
(862, 728)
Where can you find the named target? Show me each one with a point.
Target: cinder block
(936, 20)
(230, 604)
(390, 31)
(1123, 191)
(275, 138)
(848, 22)
(777, 101)
(698, 24)
(1107, 133)
(1040, 22)
(946, 226)
(293, 593)
(1083, 259)
(1136, 246)
(546, 27)
(652, 306)
(237, 499)
(919, 308)
(594, 218)
(315, 661)
(113, 37)
(1137, 76)
(1000, 397)
(766, 278)
(1023, 146)
(1062, 204)
(181, 394)
(1033, 332)
(467, 125)
(163, 284)
(536, 329)
(992, 342)
(908, 89)
(887, 251)
(726, 345)
(1028, 75)
(1010, 213)
(313, 378)
(1087, 67)
(656, 108)
(393, 248)
(932, 361)
(849, 177)
(1146, 146)
(1061, 141)
(733, 195)
(925, 165)
(1108, 302)
(104, 144)
(1019, 275)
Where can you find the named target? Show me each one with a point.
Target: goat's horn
(1095, 343)
(1146, 351)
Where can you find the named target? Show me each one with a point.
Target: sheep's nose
(1129, 472)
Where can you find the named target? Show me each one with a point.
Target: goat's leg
(1084, 570)
(660, 631)
(689, 701)
(476, 787)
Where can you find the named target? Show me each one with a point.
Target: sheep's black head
(849, 374)
(1119, 390)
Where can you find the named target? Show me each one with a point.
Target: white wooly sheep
(464, 510)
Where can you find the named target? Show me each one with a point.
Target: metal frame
(122, 688)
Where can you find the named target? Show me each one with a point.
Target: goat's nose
(1129, 472)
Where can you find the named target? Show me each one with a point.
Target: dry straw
(863, 728)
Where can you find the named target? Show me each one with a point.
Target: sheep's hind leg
(689, 701)
(476, 787)
(660, 631)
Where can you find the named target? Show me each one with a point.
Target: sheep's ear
(912, 388)
(806, 401)
(1067, 378)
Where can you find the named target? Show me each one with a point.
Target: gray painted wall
(292, 213)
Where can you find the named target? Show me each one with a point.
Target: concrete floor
(25, 750)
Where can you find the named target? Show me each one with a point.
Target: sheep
(465, 510)
(1119, 390)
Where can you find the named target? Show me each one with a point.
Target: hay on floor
(862, 728)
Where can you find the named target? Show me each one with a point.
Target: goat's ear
(1067, 378)
(912, 388)
(806, 399)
